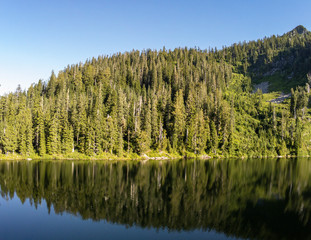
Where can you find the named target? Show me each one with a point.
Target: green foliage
(182, 100)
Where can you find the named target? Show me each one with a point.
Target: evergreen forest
(181, 102)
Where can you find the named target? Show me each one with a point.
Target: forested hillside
(182, 101)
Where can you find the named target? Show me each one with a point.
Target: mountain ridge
(300, 29)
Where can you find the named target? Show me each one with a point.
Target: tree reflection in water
(256, 198)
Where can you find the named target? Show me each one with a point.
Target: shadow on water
(255, 199)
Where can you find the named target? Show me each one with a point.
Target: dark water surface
(194, 199)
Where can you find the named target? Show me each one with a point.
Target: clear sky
(37, 37)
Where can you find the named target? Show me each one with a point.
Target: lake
(179, 199)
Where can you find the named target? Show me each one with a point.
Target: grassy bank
(151, 155)
(104, 156)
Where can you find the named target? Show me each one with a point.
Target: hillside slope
(282, 61)
(184, 102)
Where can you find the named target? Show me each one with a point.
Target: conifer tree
(179, 121)
(155, 128)
(53, 141)
(214, 137)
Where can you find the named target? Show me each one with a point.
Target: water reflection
(256, 199)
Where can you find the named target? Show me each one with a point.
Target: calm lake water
(194, 199)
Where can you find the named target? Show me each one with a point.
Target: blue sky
(40, 36)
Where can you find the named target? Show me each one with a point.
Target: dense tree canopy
(182, 100)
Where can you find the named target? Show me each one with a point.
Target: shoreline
(144, 157)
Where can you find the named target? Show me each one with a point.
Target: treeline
(181, 101)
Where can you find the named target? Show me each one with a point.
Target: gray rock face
(281, 98)
(263, 86)
(298, 30)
